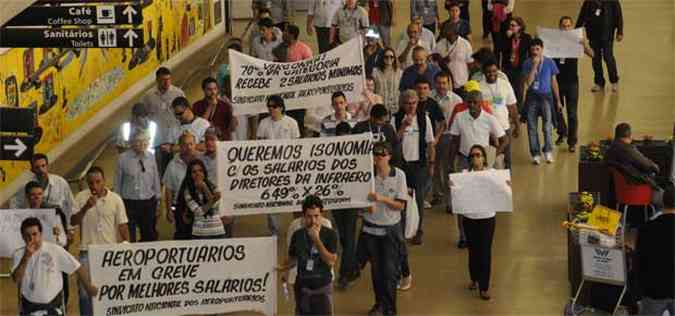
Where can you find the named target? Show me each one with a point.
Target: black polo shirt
(303, 250)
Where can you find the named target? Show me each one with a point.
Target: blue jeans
(86, 306)
(652, 307)
(539, 105)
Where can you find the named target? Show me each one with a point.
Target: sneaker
(437, 200)
(549, 157)
(536, 160)
(560, 140)
(615, 87)
(405, 283)
(597, 88)
(427, 205)
(573, 148)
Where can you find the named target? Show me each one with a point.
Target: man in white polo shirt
(469, 128)
(37, 270)
(500, 94)
(102, 218)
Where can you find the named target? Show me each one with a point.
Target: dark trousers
(298, 116)
(403, 249)
(500, 41)
(416, 174)
(569, 96)
(162, 159)
(314, 303)
(323, 38)
(141, 214)
(345, 222)
(604, 49)
(515, 78)
(479, 234)
(383, 254)
(51, 308)
(487, 16)
(66, 290)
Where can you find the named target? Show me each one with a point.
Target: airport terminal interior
(530, 255)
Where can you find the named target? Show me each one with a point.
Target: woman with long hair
(198, 203)
(479, 228)
(516, 51)
(387, 76)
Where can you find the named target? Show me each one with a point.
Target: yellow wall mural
(68, 86)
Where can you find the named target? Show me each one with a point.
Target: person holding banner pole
(381, 236)
(102, 219)
(38, 269)
(480, 229)
(382, 131)
(314, 251)
(277, 126)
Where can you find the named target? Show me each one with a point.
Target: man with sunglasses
(137, 182)
(277, 126)
(380, 240)
(189, 122)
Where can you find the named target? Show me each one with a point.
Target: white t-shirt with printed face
(499, 94)
(411, 141)
(42, 281)
(197, 128)
(285, 128)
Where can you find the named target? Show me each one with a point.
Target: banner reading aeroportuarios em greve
(304, 84)
(185, 277)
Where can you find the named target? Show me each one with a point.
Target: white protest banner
(604, 265)
(481, 191)
(185, 277)
(561, 44)
(10, 228)
(274, 176)
(304, 84)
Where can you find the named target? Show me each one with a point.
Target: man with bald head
(421, 68)
(473, 127)
(409, 43)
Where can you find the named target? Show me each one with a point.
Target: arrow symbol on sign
(130, 35)
(129, 11)
(20, 147)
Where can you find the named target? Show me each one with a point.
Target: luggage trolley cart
(600, 264)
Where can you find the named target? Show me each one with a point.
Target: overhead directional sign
(16, 147)
(101, 14)
(72, 37)
(17, 120)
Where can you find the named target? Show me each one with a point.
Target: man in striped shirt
(330, 122)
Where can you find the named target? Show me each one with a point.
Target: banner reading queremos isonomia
(303, 84)
(185, 277)
(274, 176)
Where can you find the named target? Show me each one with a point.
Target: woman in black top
(515, 52)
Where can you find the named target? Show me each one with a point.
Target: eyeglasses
(178, 114)
(389, 56)
(514, 24)
(380, 154)
(476, 155)
(142, 165)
